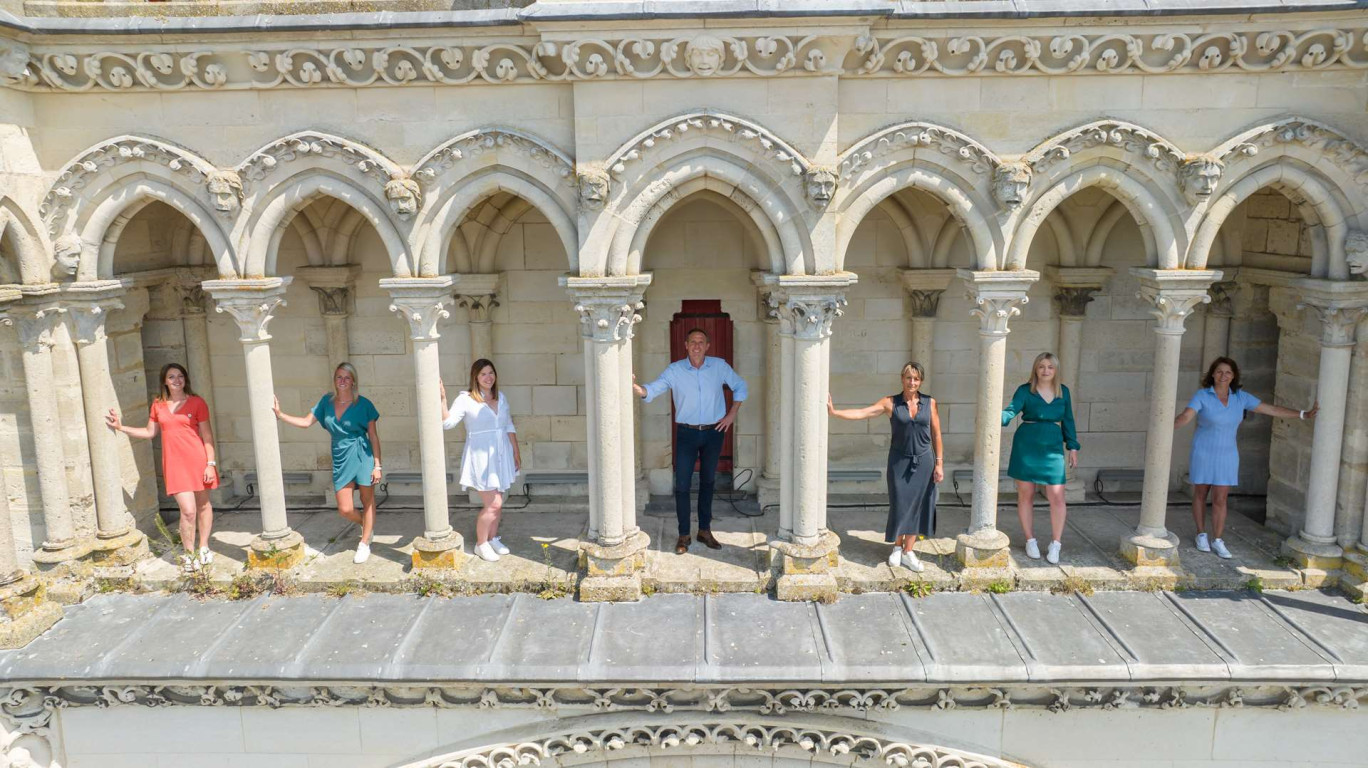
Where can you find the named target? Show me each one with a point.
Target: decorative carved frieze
(891, 53)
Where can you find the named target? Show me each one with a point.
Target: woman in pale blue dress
(1219, 408)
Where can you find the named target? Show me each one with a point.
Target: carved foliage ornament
(252, 315)
(994, 312)
(1342, 151)
(1144, 145)
(478, 143)
(734, 129)
(812, 317)
(422, 316)
(291, 148)
(609, 319)
(953, 145)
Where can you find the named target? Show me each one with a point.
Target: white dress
(487, 464)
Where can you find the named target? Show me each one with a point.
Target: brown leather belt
(699, 427)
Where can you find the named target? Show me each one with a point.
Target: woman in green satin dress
(1038, 449)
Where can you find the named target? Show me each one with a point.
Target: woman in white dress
(491, 460)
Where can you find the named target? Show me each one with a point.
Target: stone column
(1073, 291)
(117, 540)
(1172, 294)
(478, 293)
(35, 318)
(334, 286)
(768, 484)
(422, 302)
(1315, 546)
(1216, 333)
(997, 297)
(608, 309)
(808, 556)
(195, 327)
(924, 290)
(253, 303)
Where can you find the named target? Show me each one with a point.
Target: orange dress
(183, 454)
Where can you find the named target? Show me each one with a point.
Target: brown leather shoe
(707, 538)
(682, 545)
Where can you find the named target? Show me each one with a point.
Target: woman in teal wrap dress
(1038, 449)
(350, 420)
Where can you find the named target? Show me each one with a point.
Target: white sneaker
(1220, 548)
(486, 552)
(362, 552)
(1052, 553)
(895, 557)
(206, 556)
(1032, 549)
(1202, 545)
(910, 561)
(498, 546)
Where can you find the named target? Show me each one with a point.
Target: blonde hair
(1043, 356)
(356, 379)
(475, 368)
(915, 368)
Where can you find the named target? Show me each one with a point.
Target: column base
(446, 553)
(807, 571)
(27, 612)
(1308, 554)
(983, 549)
(613, 573)
(277, 554)
(1146, 551)
(46, 559)
(125, 549)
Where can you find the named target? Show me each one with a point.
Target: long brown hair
(475, 368)
(1209, 380)
(161, 380)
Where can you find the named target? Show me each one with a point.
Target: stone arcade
(850, 184)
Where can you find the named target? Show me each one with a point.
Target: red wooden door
(708, 315)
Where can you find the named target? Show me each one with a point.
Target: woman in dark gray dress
(914, 463)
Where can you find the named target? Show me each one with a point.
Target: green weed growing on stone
(248, 585)
(426, 586)
(344, 588)
(999, 586)
(1073, 584)
(1283, 561)
(1255, 585)
(918, 588)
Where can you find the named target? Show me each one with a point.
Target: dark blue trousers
(705, 447)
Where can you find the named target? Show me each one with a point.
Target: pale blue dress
(1215, 455)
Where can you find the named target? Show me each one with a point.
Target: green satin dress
(1047, 429)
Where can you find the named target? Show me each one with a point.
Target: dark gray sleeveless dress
(911, 466)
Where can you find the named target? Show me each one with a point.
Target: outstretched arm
(881, 408)
(1185, 417)
(146, 433)
(303, 422)
(1279, 412)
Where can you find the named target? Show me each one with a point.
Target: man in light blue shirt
(701, 422)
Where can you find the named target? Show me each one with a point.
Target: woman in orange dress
(188, 465)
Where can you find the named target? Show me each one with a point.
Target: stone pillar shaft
(97, 395)
(1216, 331)
(35, 324)
(925, 287)
(334, 286)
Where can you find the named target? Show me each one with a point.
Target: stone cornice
(463, 57)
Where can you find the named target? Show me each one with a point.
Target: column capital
(1338, 305)
(251, 302)
(925, 288)
(34, 316)
(478, 293)
(89, 303)
(333, 286)
(1173, 294)
(608, 307)
(998, 296)
(421, 301)
(188, 284)
(1223, 298)
(809, 304)
(1075, 286)
(765, 288)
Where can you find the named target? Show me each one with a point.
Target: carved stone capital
(89, 304)
(1338, 323)
(925, 287)
(997, 297)
(609, 307)
(252, 303)
(1073, 301)
(478, 306)
(808, 305)
(1223, 298)
(191, 295)
(35, 324)
(333, 286)
(333, 301)
(421, 301)
(1173, 294)
(924, 304)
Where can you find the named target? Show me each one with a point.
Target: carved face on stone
(705, 55)
(593, 188)
(14, 59)
(402, 193)
(1200, 177)
(225, 187)
(821, 186)
(66, 251)
(1010, 182)
(1356, 253)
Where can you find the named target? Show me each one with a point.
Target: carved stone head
(820, 184)
(705, 55)
(14, 59)
(66, 251)
(225, 187)
(402, 193)
(593, 188)
(1200, 176)
(1010, 181)
(1356, 252)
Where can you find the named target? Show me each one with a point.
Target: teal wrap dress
(352, 455)
(1047, 430)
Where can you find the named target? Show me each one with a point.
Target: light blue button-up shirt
(698, 397)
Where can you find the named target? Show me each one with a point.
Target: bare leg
(205, 515)
(368, 515)
(346, 507)
(1199, 496)
(188, 518)
(1025, 498)
(1219, 494)
(909, 541)
(1058, 510)
(488, 519)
